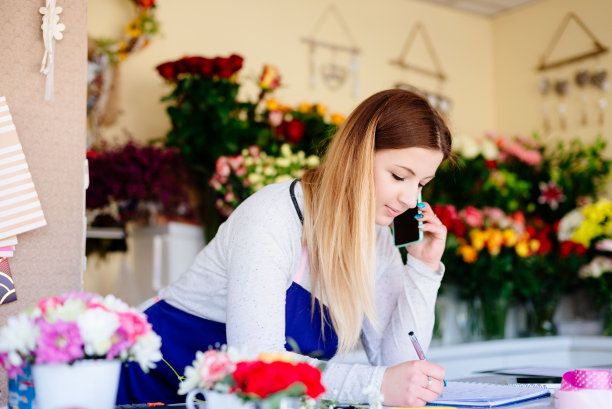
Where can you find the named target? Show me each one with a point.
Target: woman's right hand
(408, 384)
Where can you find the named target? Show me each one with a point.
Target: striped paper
(20, 209)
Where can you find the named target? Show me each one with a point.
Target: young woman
(325, 236)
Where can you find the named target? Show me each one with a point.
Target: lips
(392, 212)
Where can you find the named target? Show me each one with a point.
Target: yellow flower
(269, 357)
(534, 245)
(337, 119)
(496, 239)
(522, 249)
(468, 253)
(305, 108)
(509, 237)
(282, 178)
(320, 109)
(133, 29)
(478, 238)
(272, 105)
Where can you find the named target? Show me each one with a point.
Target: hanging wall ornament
(582, 79)
(599, 79)
(436, 99)
(544, 88)
(562, 88)
(333, 73)
(51, 31)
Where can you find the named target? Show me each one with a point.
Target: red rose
(311, 378)
(167, 70)
(181, 66)
(206, 67)
(192, 64)
(293, 130)
(579, 249)
(264, 379)
(565, 248)
(223, 67)
(147, 3)
(236, 62)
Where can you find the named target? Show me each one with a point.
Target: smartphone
(406, 228)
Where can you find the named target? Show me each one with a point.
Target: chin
(383, 220)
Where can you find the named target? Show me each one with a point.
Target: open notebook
(488, 394)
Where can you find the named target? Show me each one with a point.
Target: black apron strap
(295, 203)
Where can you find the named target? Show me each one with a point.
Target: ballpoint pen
(418, 349)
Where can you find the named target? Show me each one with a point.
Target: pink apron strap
(299, 274)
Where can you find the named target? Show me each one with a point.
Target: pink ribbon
(585, 389)
(586, 379)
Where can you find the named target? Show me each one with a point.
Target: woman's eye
(397, 177)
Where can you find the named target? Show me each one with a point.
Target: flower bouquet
(230, 380)
(72, 335)
(587, 231)
(239, 176)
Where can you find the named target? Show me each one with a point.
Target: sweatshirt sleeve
(405, 301)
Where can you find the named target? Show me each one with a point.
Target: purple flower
(79, 295)
(11, 369)
(120, 343)
(59, 342)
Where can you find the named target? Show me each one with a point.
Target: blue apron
(184, 334)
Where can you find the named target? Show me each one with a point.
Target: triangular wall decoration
(597, 49)
(332, 73)
(401, 60)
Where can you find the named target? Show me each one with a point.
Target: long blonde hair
(339, 227)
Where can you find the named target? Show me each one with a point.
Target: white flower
(283, 162)
(490, 151)
(18, 338)
(569, 223)
(69, 311)
(312, 161)
(596, 267)
(115, 304)
(146, 351)
(285, 150)
(97, 326)
(282, 178)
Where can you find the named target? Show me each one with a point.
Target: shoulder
(270, 208)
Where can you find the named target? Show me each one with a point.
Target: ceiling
(488, 8)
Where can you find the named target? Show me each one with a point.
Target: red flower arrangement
(269, 376)
(221, 67)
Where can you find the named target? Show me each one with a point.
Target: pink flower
(214, 182)
(254, 151)
(551, 193)
(472, 216)
(134, 325)
(604, 245)
(275, 118)
(59, 342)
(48, 303)
(222, 166)
(214, 367)
(494, 215)
(11, 370)
(236, 161)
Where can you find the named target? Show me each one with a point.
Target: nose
(409, 197)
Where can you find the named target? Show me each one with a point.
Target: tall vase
(90, 384)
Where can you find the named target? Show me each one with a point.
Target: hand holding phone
(406, 228)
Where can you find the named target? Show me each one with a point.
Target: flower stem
(180, 378)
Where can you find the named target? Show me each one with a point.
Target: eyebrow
(414, 174)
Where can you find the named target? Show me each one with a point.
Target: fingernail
(418, 216)
(421, 205)
(444, 380)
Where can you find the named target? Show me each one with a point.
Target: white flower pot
(90, 384)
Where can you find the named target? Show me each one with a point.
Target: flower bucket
(90, 384)
(21, 390)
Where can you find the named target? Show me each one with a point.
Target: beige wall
(49, 260)
(520, 38)
(270, 31)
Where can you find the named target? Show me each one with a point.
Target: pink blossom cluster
(74, 326)
(520, 147)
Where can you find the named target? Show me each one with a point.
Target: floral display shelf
(463, 360)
